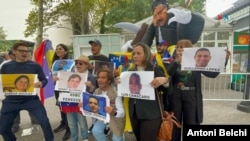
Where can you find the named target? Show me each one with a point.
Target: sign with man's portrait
(98, 65)
(94, 106)
(136, 84)
(19, 84)
(204, 59)
(64, 64)
(71, 81)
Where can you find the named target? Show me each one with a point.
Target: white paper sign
(136, 84)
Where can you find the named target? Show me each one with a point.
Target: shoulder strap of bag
(170, 115)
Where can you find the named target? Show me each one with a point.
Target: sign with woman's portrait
(18, 84)
(64, 64)
(94, 106)
(71, 81)
(204, 59)
(136, 84)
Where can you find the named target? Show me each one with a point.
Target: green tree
(195, 5)
(2, 34)
(95, 16)
(4, 45)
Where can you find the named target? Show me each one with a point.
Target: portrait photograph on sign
(136, 84)
(64, 64)
(18, 84)
(94, 106)
(204, 59)
(98, 65)
(71, 81)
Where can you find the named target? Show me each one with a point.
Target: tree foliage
(195, 5)
(95, 16)
(2, 34)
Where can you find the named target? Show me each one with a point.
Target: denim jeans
(98, 132)
(77, 120)
(10, 110)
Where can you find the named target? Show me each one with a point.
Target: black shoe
(107, 131)
(90, 128)
(60, 128)
(66, 135)
(14, 129)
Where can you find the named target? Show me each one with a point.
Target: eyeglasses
(22, 51)
(80, 62)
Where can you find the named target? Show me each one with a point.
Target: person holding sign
(74, 115)
(12, 105)
(96, 47)
(145, 115)
(187, 100)
(116, 110)
(15, 126)
(62, 52)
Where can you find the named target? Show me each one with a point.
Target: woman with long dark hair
(62, 52)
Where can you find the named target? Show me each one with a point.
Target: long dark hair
(55, 57)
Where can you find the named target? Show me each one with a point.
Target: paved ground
(215, 112)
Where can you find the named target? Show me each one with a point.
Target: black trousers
(184, 108)
(10, 110)
(145, 129)
(18, 119)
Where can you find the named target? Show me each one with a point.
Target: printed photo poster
(64, 64)
(204, 59)
(102, 65)
(19, 84)
(94, 106)
(136, 84)
(71, 81)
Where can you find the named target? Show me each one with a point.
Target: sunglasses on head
(80, 62)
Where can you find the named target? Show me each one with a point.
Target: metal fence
(226, 87)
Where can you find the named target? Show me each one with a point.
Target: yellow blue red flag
(43, 56)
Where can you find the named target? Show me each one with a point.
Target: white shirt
(119, 105)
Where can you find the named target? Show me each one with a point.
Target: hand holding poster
(204, 59)
(71, 81)
(19, 84)
(94, 106)
(136, 84)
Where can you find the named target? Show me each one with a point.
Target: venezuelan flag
(43, 56)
